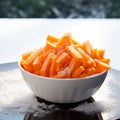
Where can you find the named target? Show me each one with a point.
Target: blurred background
(59, 9)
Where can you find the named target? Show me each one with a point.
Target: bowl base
(64, 105)
(63, 113)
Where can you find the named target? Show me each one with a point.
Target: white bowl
(68, 90)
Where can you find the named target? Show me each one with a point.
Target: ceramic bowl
(68, 90)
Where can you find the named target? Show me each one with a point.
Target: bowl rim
(61, 79)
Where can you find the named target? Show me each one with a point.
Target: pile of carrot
(65, 58)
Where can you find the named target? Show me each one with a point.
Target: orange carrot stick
(46, 65)
(101, 66)
(37, 64)
(77, 72)
(87, 47)
(61, 60)
(52, 39)
(64, 41)
(52, 68)
(30, 60)
(74, 64)
(73, 52)
(87, 59)
(61, 74)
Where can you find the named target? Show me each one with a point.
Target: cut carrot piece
(37, 72)
(27, 67)
(49, 46)
(77, 72)
(61, 60)
(88, 61)
(94, 53)
(64, 41)
(77, 46)
(98, 53)
(52, 39)
(46, 65)
(30, 60)
(37, 64)
(45, 54)
(101, 66)
(27, 64)
(87, 47)
(105, 60)
(27, 55)
(74, 64)
(101, 53)
(82, 75)
(73, 52)
(60, 52)
(68, 72)
(61, 74)
(52, 68)
(74, 42)
(90, 71)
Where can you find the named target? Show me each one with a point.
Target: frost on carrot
(65, 58)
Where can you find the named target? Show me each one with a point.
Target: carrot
(64, 41)
(98, 53)
(101, 53)
(46, 65)
(27, 54)
(105, 60)
(61, 60)
(45, 54)
(87, 47)
(30, 60)
(37, 64)
(49, 46)
(74, 64)
(77, 72)
(60, 74)
(52, 39)
(52, 68)
(73, 52)
(88, 61)
(82, 75)
(101, 66)
(68, 72)
(90, 71)
(74, 42)
(65, 58)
